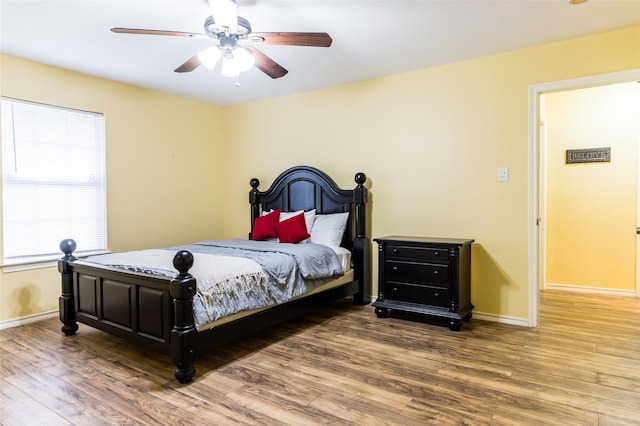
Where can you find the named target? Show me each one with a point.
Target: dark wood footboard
(154, 312)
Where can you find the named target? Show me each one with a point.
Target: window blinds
(53, 184)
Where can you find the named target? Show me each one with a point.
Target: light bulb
(244, 58)
(209, 57)
(229, 65)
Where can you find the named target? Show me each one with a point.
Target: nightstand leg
(455, 324)
(382, 312)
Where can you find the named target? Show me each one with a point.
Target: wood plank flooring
(343, 366)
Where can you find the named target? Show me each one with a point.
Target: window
(53, 184)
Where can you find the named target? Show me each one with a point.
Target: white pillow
(328, 229)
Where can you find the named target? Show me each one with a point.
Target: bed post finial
(183, 261)
(66, 309)
(255, 183)
(67, 247)
(184, 334)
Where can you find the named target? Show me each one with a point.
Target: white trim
(43, 261)
(542, 196)
(503, 319)
(534, 169)
(15, 322)
(590, 290)
(7, 268)
(637, 271)
(532, 207)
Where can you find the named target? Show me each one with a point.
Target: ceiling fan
(235, 42)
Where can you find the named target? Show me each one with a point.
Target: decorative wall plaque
(588, 155)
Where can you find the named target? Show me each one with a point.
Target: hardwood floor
(342, 365)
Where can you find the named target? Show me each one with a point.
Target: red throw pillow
(292, 230)
(264, 227)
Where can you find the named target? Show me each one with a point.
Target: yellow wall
(430, 142)
(591, 207)
(164, 168)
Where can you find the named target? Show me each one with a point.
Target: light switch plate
(503, 174)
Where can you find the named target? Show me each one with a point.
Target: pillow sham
(328, 229)
(292, 230)
(264, 227)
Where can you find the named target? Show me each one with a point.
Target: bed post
(184, 333)
(361, 244)
(66, 309)
(253, 200)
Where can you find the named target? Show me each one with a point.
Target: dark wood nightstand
(429, 276)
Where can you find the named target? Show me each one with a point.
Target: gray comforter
(236, 275)
(311, 261)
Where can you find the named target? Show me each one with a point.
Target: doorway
(538, 172)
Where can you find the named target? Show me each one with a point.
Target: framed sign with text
(588, 155)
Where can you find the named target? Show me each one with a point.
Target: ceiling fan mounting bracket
(228, 42)
(213, 31)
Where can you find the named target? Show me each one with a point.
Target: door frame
(535, 176)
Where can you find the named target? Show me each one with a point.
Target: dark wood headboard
(307, 188)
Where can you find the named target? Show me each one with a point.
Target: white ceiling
(370, 38)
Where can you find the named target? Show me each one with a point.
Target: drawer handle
(395, 251)
(436, 295)
(436, 273)
(437, 253)
(395, 269)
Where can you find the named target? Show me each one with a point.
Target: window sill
(26, 264)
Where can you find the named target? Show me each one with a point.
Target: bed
(156, 311)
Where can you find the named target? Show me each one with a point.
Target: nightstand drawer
(418, 273)
(426, 254)
(434, 296)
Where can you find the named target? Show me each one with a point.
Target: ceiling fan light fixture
(209, 57)
(229, 65)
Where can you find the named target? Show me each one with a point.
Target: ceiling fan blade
(157, 32)
(292, 39)
(267, 65)
(191, 64)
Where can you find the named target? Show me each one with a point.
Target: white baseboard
(591, 290)
(501, 319)
(14, 322)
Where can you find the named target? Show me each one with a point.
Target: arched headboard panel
(304, 188)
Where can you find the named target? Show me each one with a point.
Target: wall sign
(588, 155)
